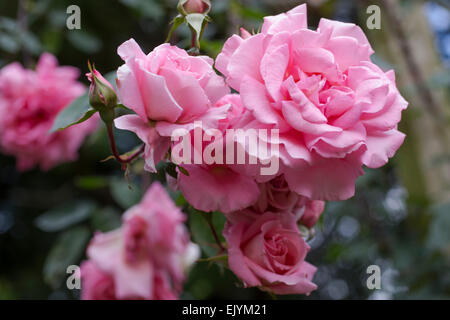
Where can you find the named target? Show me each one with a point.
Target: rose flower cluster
(332, 109)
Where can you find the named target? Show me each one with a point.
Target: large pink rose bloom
(168, 89)
(140, 260)
(335, 109)
(268, 251)
(219, 186)
(29, 103)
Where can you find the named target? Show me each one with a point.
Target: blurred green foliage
(47, 218)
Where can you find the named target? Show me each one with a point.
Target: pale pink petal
(236, 259)
(273, 70)
(290, 21)
(158, 100)
(326, 179)
(128, 91)
(339, 29)
(292, 113)
(217, 188)
(245, 62)
(187, 93)
(381, 146)
(253, 94)
(228, 50)
(129, 50)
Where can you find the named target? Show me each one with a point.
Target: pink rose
(219, 187)
(97, 285)
(310, 210)
(29, 103)
(139, 258)
(277, 197)
(268, 251)
(335, 109)
(168, 89)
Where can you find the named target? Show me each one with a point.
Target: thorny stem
(216, 236)
(194, 50)
(194, 40)
(114, 150)
(22, 19)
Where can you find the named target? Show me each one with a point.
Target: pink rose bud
(313, 209)
(101, 92)
(195, 6)
(245, 34)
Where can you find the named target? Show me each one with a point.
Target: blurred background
(398, 220)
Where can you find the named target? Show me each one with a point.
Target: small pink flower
(335, 110)
(168, 89)
(268, 251)
(140, 260)
(29, 103)
(311, 211)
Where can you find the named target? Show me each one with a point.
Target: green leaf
(9, 43)
(202, 233)
(72, 114)
(30, 42)
(126, 195)
(79, 110)
(171, 170)
(176, 22)
(67, 250)
(106, 219)
(91, 182)
(121, 106)
(84, 41)
(63, 217)
(86, 116)
(183, 170)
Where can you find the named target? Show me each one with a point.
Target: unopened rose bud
(245, 34)
(101, 93)
(195, 6)
(187, 7)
